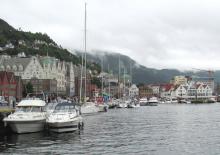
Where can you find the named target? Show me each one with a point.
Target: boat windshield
(28, 109)
(64, 108)
(51, 106)
(23, 109)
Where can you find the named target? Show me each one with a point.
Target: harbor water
(163, 129)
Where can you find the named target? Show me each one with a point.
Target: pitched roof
(167, 87)
(16, 61)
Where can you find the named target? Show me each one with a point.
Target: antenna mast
(85, 52)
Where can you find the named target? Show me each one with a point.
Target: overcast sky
(180, 34)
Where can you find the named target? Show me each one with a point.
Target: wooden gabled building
(10, 85)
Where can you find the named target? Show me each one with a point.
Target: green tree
(96, 81)
(29, 88)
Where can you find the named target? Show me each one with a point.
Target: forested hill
(14, 41)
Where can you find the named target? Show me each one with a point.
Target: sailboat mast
(119, 72)
(124, 83)
(85, 50)
(109, 92)
(130, 74)
(102, 74)
(81, 77)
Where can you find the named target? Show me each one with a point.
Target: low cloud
(181, 34)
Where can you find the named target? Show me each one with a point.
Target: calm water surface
(164, 129)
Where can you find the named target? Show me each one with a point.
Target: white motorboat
(65, 118)
(28, 117)
(174, 100)
(133, 104)
(143, 101)
(185, 101)
(102, 107)
(50, 107)
(167, 101)
(153, 101)
(89, 108)
(122, 104)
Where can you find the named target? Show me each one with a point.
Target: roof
(167, 87)
(176, 86)
(47, 60)
(32, 102)
(16, 61)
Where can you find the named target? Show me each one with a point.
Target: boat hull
(68, 126)
(27, 126)
(89, 110)
(103, 108)
(143, 103)
(152, 104)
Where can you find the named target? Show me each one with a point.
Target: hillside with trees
(13, 41)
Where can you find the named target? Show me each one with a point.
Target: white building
(27, 68)
(41, 68)
(191, 90)
(155, 89)
(133, 90)
(180, 91)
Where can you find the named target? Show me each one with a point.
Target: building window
(20, 68)
(14, 68)
(8, 67)
(2, 68)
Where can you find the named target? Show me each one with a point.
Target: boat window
(23, 109)
(65, 108)
(36, 109)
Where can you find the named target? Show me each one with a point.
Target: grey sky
(180, 34)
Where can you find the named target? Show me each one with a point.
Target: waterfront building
(203, 91)
(145, 91)
(179, 91)
(191, 90)
(27, 67)
(78, 82)
(166, 90)
(55, 69)
(133, 90)
(70, 79)
(156, 89)
(42, 68)
(11, 86)
(206, 80)
(42, 85)
(178, 80)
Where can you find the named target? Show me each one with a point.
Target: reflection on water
(164, 129)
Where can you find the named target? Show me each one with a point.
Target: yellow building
(178, 80)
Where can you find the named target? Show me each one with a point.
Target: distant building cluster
(183, 87)
(54, 76)
(43, 72)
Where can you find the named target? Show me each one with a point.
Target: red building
(10, 85)
(88, 86)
